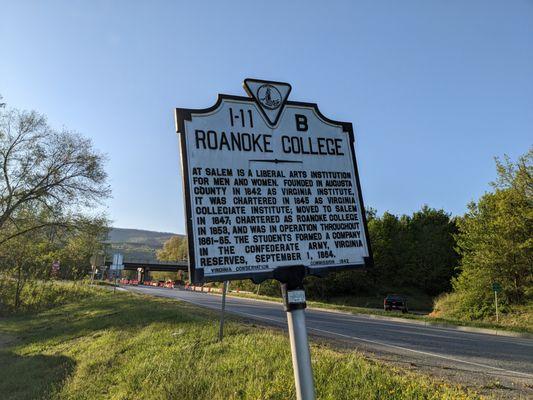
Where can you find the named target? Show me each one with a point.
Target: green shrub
(461, 306)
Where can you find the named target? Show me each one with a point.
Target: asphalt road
(481, 358)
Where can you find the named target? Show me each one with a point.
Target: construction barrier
(134, 282)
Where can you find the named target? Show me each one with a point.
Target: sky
(435, 89)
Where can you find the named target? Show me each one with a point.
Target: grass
(519, 321)
(39, 295)
(125, 346)
(520, 316)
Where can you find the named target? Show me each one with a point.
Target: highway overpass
(144, 267)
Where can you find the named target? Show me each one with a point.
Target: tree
(77, 245)
(387, 237)
(495, 240)
(18, 262)
(410, 252)
(30, 256)
(414, 251)
(174, 249)
(433, 258)
(48, 180)
(42, 167)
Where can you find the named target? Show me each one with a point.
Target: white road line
(524, 374)
(330, 314)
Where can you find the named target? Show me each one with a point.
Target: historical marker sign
(269, 183)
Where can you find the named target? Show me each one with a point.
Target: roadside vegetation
(118, 345)
(42, 295)
(446, 266)
(495, 241)
(72, 341)
(50, 183)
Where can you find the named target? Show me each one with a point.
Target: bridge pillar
(146, 274)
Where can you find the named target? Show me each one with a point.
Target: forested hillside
(137, 243)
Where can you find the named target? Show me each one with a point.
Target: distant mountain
(140, 236)
(137, 244)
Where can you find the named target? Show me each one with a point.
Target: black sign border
(197, 275)
(261, 109)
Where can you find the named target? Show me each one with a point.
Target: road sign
(496, 287)
(117, 262)
(269, 183)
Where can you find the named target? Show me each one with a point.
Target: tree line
(495, 245)
(432, 252)
(50, 182)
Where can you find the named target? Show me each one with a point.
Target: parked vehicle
(395, 302)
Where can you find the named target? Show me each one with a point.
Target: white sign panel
(118, 260)
(269, 183)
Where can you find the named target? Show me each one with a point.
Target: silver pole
(221, 330)
(301, 357)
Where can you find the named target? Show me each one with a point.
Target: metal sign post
(221, 330)
(103, 269)
(496, 287)
(293, 294)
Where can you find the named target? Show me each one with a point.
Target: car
(395, 302)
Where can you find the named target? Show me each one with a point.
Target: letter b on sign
(301, 123)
